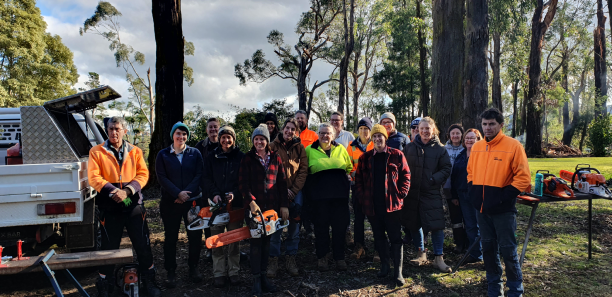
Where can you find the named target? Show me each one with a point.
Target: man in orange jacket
(306, 136)
(117, 170)
(498, 171)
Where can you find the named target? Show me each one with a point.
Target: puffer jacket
(294, 159)
(398, 140)
(430, 167)
(453, 153)
(221, 174)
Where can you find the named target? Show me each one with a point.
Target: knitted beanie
(365, 122)
(262, 130)
(226, 129)
(387, 115)
(379, 129)
(180, 124)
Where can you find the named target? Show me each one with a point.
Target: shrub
(600, 135)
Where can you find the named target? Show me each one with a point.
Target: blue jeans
(437, 238)
(293, 238)
(498, 237)
(470, 219)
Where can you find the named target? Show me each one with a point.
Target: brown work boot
(341, 265)
(376, 258)
(291, 266)
(349, 238)
(272, 267)
(420, 259)
(440, 265)
(358, 251)
(322, 264)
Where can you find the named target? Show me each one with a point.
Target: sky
(224, 32)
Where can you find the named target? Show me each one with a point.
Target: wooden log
(70, 261)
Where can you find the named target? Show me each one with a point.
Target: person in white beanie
(396, 140)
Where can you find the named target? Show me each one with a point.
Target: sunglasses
(414, 127)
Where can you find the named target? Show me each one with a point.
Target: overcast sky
(224, 32)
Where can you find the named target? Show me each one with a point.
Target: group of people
(398, 183)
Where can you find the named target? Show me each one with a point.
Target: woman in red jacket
(263, 187)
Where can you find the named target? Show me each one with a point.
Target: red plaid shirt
(397, 180)
(267, 187)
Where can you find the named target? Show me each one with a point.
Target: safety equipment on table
(262, 224)
(586, 179)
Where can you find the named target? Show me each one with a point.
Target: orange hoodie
(308, 137)
(498, 171)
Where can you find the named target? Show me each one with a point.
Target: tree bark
(533, 143)
(476, 92)
(600, 62)
(568, 134)
(349, 42)
(514, 106)
(496, 66)
(447, 63)
(424, 88)
(170, 56)
(567, 138)
(523, 122)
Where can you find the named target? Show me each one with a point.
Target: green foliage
(600, 135)
(34, 66)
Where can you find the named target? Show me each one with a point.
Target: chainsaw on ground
(219, 214)
(556, 186)
(128, 280)
(263, 224)
(586, 179)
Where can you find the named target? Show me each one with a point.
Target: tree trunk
(514, 105)
(476, 92)
(533, 143)
(424, 88)
(496, 66)
(567, 140)
(447, 63)
(303, 101)
(349, 41)
(356, 91)
(523, 122)
(600, 62)
(568, 134)
(170, 51)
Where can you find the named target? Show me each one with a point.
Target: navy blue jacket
(459, 174)
(398, 140)
(221, 174)
(174, 176)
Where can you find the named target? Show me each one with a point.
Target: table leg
(534, 207)
(590, 226)
(476, 242)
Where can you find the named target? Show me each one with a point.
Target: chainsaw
(584, 180)
(219, 214)
(555, 186)
(263, 224)
(127, 279)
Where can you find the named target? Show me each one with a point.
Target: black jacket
(459, 175)
(175, 176)
(430, 166)
(221, 174)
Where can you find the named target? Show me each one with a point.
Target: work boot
(256, 290)
(376, 258)
(102, 285)
(398, 259)
(460, 239)
(195, 275)
(272, 267)
(358, 251)
(470, 260)
(234, 280)
(322, 264)
(149, 284)
(171, 279)
(219, 282)
(384, 268)
(341, 265)
(420, 259)
(349, 238)
(266, 285)
(291, 266)
(208, 255)
(439, 263)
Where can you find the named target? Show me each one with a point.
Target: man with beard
(306, 136)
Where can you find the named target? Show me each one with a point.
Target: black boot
(460, 239)
(256, 291)
(384, 267)
(171, 279)
(149, 284)
(266, 285)
(194, 274)
(102, 286)
(398, 260)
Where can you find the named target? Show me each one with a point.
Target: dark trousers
(112, 224)
(358, 224)
(260, 252)
(456, 217)
(330, 213)
(387, 224)
(172, 214)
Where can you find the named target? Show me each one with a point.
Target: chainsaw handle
(578, 169)
(542, 170)
(193, 226)
(588, 166)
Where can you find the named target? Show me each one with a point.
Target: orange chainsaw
(263, 224)
(219, 214)
(555, 186)
(586, 179)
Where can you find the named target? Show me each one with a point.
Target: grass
(554, 165)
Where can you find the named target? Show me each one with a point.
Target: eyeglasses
(470, 138)
(325, 133)
(336, 121)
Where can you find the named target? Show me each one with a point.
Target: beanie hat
(262, 130)
(271, 117)
(387, 115)
(226, 129)
(365, 122)
(180, 124)
(415, 122)
(378, 128)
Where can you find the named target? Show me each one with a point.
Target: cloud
(224, 33)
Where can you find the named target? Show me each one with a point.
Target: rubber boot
(384, 268)
(420, 259)
(149, 284)
(256, 290)
(398, 259)
(440, 265)
(102, 285)
(266, 285)
(460, 239)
